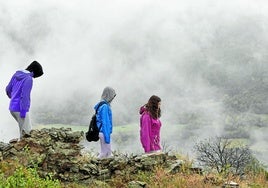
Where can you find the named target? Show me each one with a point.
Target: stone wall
(58, 152)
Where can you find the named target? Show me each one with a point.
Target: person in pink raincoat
(150, 125)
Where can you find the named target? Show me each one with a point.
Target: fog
(140, 48)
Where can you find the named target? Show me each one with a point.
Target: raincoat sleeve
(25, 97)
(9, 88)
(145, 132)
(106, 122)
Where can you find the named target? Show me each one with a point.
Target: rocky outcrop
(58, 152)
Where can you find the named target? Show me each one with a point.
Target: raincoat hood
(22, 74)
(108, 94)
(142, 109)
(36, 69)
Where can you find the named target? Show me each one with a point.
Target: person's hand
(22, 114)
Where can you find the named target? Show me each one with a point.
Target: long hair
(152, 106)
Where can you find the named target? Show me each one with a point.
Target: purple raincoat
(149, 131)
(19, 91)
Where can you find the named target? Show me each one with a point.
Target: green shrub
(27, 177)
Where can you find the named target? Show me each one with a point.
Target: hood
(36, 68)
(142, 109)
(21, 74)
(108, 94)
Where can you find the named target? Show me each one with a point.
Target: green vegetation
(13, 175)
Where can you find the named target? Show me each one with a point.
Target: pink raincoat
(149, 131)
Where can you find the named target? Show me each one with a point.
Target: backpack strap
(96, 111)
(99, 105)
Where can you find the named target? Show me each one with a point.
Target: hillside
(56, 153)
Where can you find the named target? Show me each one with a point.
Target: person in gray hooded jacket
(105, 121)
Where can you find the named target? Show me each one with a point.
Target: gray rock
(176, 167)
(136, 184)
(230, 184)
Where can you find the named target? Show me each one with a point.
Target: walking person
(19, 92)
(105, 122)
(150, 125)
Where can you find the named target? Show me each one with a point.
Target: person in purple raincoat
(19, 92)
(150, 125)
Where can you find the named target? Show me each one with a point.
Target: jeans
(106, 150)
(24, 123)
